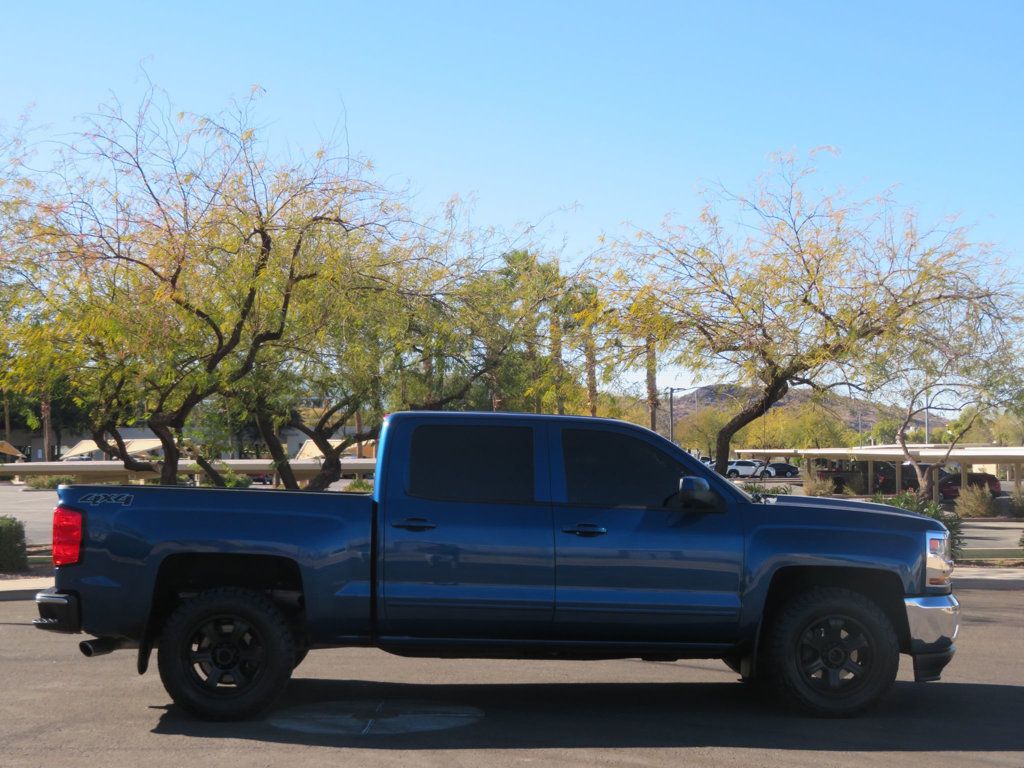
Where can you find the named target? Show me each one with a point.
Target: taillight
(67, 536)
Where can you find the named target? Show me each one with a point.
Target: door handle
(587, 530)
(414, 524)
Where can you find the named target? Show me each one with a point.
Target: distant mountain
(856, 414)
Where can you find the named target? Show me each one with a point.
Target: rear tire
(831, 652)
(226, 654)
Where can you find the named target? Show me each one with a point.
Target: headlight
(939, 560)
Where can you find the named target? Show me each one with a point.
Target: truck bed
(135, 536)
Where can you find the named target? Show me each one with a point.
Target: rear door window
(466, 462)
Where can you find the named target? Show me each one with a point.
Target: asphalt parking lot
(359, 707)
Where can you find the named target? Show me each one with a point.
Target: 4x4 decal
(124, 499)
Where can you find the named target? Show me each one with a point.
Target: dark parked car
(885, 476)
(949, 485)
(781, 469)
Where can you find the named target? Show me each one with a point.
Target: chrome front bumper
(934, 623)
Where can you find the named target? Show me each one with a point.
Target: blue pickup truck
(505, 536)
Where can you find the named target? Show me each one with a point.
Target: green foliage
(885, 429)
(975, 501)
(359, 485)
(183, 276)
(48, 482)
(807, 425)
(1008, 428)
(12, 545)
(854, 485)
(815, 486)
(235, 480)
(1017, 501)
(910, 502)
(917, 435)
(767, 490)
(913, 503)
(971, 426)
(700, 428)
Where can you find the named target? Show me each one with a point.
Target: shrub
(12, 545)
(815, 486)
(854, 486)
(359, 485)
(914, 503)
(1017, 502)
(234, 480)
(48, 482)
(975, 502)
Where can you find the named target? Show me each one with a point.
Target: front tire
(732, 474)
(226, 654)
(831, 652)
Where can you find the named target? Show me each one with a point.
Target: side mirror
(695, 495)
(689, 486)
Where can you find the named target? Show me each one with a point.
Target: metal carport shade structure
(929, 453)
(9, 450)
(134, 446)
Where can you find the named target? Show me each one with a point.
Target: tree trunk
(534, 368)
(172, 457)
(770, 395)
(651, 362)
(44, 409)
(555, 329)
(330, 470)
(590, 356)
(359, 428)
(118, 450)
(7, 418)
(265, 424)
(928, 479)
(210, 471)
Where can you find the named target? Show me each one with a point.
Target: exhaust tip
(98, 646)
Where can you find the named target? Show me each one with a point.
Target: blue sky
(622, 110)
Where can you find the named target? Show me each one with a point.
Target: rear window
(462, 462)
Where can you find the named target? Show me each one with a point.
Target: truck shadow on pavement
(937, 717)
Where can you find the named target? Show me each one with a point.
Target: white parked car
(744, 468)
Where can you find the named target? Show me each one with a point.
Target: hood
(923, 522)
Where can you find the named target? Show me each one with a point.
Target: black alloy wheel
(226, 654)
(835, 654)
(831, 652)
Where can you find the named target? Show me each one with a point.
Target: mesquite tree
(804, 288)
(166, 251)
